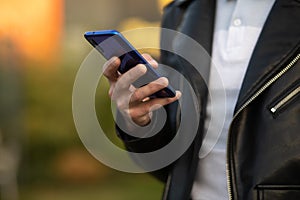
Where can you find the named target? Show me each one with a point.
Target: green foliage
(50, 131)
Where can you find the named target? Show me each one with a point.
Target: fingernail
(178, 94)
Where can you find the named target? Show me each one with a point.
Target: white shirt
(237, 28)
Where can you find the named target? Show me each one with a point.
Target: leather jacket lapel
(197, 22)
(271, 47)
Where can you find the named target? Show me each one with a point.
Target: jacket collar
(280, 34)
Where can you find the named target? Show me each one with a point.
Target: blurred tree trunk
(10, 118)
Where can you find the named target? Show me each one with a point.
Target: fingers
(110, 69)
(144, 109)
(125, 81)
(150, 60)
(142, 93)
(135, 102)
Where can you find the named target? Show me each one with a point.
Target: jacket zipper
(252, 98)
(282, 102)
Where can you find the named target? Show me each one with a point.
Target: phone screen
(112, 43)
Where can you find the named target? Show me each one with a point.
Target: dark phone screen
(110, 46)
(128, 61)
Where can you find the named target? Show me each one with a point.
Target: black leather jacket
(263, 155)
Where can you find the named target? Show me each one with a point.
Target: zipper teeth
(245, 105)
(285, 100)
(228, 181)
(268, 84)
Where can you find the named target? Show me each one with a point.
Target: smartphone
(112, 43)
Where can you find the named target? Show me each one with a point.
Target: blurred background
(41, 49)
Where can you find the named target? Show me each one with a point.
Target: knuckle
(135, 96)
(138, 95)
(145, 109)
(132, 114)
(152, 87)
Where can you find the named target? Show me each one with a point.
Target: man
(255, 45)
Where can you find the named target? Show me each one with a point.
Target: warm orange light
(33, 26)
(163, 3)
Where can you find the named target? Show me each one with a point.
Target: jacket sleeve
(154, 142)
(172, 17)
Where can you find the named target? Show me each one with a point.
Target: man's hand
(135, 102)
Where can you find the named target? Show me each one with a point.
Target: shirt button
(237, 22)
